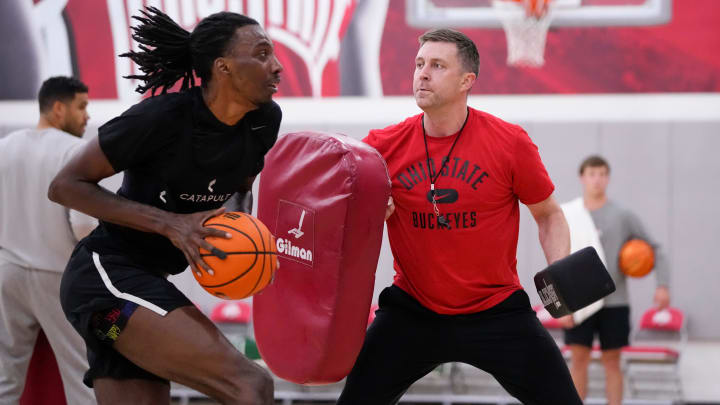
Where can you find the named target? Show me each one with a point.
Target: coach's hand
(187, 233)
(566, 321)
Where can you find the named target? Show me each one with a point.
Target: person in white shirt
(37, 238)
(607, 225)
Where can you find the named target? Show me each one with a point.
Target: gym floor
(699, 368)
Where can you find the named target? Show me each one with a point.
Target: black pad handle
(573, 282)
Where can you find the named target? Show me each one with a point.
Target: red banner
(365, 47)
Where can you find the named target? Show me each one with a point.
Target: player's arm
(553, 229)
(76, 187)
(661, 267)
(242, 200)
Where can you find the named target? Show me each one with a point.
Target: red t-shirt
(471, 266)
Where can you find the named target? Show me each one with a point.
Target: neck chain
(434, 176)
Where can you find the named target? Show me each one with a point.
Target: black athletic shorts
(611, 324)
(406, 341)
(98, 294)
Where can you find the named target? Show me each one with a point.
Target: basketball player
(36, 240)
(183, 155)
(614, 225)
(457, 177)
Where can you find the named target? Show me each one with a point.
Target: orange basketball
(251, 257)
(636, 258)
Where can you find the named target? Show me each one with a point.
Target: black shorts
(406, 341)
(611, 324)
(99, 294)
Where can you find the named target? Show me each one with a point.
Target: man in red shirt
(457, 177)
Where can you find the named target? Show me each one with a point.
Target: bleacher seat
(234, 319)
(652, 359)
(232, 312)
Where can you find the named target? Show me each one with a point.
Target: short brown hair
(467, 51)
(59, 88)
(594, 161)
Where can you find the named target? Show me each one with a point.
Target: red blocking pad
(324, 198)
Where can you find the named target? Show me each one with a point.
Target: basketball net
(526, 24)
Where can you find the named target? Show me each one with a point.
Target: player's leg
(67, 345)
(580, 356)
(186, 347)
(509, 342)
(613, 376)
(401, 346)
(135, 391)
(614, 331)
(138, 325)
(18, 332)
(580, 340)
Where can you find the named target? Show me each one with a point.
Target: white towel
(583, 233)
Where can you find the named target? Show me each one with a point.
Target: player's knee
(259, 390)
(612, 364)
(611, 356)
(248, 385)
(580, 359)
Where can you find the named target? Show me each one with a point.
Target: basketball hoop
(526, 23)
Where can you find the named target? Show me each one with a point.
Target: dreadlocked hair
(170, 53)
(165, 55)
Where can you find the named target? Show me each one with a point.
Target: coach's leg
(579, 364)
(400, 347)
(18, 332)
(536, 372)
(186, 347)
(516, 349)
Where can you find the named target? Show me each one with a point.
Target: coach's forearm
(554, 236)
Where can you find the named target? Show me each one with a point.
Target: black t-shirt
(178, 157)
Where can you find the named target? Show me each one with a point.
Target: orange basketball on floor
(251, 257)
(637, 258)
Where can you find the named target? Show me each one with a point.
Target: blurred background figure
(36, 240)
(611, 225)
(21, 67)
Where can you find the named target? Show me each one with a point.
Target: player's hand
(567, 321)
(187, 233)
(662, 297)
(390, 208)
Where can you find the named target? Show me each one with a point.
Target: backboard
(567, 13)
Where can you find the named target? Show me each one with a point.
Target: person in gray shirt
(37, 238)
(615, 225)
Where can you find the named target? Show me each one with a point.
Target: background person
(615, 225)
(36, 240)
